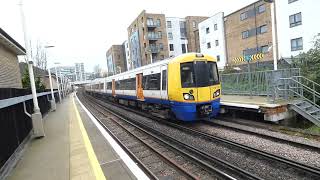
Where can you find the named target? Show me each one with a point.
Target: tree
(26, 81)
(309, 62)
(38, 55)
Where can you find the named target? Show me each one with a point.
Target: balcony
(154, 36)
(153, 49)
(151, 24)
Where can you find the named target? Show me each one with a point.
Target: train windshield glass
(199, 74)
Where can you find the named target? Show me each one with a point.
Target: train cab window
(164, 80)
(187, 75)
(213, 73)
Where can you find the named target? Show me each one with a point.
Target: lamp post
(274, 34)
(53, 100)
(36, 117)
(58, 86)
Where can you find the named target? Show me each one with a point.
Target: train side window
(144, 82)
(117, 85)
(187, 75)
(109, 85)
(154, 82)
(164, 80)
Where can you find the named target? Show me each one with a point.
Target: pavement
(73, 148)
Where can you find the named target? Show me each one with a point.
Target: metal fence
(15, 124)
(258, 83)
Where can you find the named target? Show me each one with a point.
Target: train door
(113, 87)
(164, 82)
(139, 90)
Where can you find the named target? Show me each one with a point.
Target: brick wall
(234, 28)
(193, 33)
(10, 76)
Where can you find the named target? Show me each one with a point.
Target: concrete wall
(307, 30)
(10, 76)
(234, 28)
(212, 36)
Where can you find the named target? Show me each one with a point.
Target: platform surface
(254, 102)
(73, 148)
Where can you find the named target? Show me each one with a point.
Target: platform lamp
(58, 86)
(53, 100)
(36, 117)
(274, 34)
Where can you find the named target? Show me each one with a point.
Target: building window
(217, 42)
(245, 34)
(161, 46)
(169, 25)
(262, 29)
(194, 24)
(183, 48)
(295, 20)
(171, 47)
(261, 8)
(296, 44)
(215, 27)
(208, 45)
(207, 30)
(159, 34)
(158, 23)
(264, 49)
(244, 16)
(170, 36)
(218, 58)
(291, 1)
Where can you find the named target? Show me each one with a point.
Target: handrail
(16, 100)
(307, 87)
(303, 86)
(313, 82)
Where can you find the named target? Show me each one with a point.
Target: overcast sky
(82, 30)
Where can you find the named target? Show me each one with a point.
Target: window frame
(295, 22)
(171, 45)
(207, 30)
(296, 40)
(208, 45)
(169, 24)
(259, 10)
(244, 16)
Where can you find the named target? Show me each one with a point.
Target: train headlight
(216, 93)
(187, 96)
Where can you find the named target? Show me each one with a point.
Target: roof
(10, 43)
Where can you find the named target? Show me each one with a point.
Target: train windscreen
(199, 74)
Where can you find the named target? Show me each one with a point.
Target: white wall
(127, 55)
(212, 36)
(176, 41)
(310, 26)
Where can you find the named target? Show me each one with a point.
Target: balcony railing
(154, 36)
(152, 24)
(153, 49)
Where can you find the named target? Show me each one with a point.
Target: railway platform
(74, 147)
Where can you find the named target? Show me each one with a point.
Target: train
(186, 87)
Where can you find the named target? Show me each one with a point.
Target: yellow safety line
(92, 156)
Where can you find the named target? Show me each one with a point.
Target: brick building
(193, 32)
(10, 76)
(147, 38)
(249, 31)
(116, 60)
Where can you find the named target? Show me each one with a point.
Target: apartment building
(67, 71)
(79, 71)
(192, 31)
(126, 51)
(249, 31)
(212, 40)
(148, 39)
(10, 76)
(116, 60)
(177, 36)
(297, 26)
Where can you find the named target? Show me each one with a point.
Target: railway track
(203, 165)
(305, 170)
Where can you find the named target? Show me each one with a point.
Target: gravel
(299, 154)
(258, 165)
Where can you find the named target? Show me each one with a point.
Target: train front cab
(194, 87)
